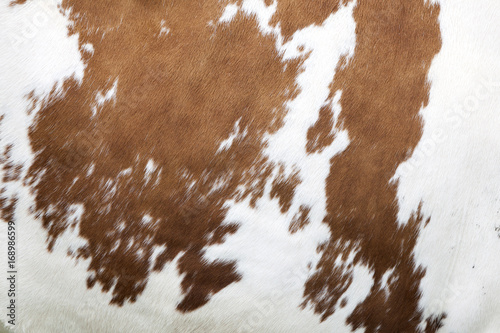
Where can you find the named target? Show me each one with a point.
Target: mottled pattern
(189, 163)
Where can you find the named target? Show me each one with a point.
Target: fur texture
(251, 165)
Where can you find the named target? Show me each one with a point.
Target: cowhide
(250, 166)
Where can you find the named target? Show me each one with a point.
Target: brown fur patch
(283, 188)
(293, 15)
(7, 207)
(11, 173)
(178, 96)
(300, 220)
(321, 134)
(434, 323)
(383, 88)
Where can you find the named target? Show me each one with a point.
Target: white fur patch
(455, 172)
